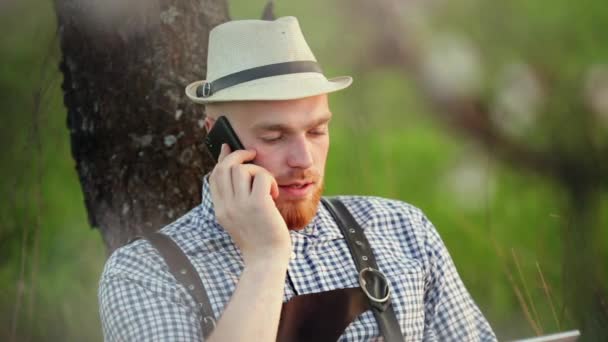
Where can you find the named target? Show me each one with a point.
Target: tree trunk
(135, 137)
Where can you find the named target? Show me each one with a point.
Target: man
(260, 236)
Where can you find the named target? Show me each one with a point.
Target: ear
(209, 122)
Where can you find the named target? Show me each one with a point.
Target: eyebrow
(263, 126)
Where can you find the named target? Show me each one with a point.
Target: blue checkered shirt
(141, 301)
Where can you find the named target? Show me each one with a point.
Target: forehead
(286, 112)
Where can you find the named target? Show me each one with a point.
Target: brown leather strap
(313, 317)
(185, 273)
(374, 282)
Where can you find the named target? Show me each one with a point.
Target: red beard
(298, 213)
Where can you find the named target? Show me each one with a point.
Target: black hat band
(208, 88)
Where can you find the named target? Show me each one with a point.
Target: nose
(300, 153)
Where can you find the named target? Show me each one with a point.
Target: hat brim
(282, 87)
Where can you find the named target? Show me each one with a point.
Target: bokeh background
(539, 67)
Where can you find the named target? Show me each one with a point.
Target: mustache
(309, 175)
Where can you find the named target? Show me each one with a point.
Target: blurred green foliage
(384, 143)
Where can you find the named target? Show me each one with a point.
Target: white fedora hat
(261, 60)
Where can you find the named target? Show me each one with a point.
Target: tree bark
(135, 137)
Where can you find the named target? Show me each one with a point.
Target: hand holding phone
(243, 196)
(222, 133)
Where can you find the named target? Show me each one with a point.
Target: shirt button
(293, 255)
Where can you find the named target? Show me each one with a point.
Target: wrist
(273, 259)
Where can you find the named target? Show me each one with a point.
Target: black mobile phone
(222, 133)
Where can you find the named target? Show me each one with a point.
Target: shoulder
(136, 291)
(373, 209)
(139, 260)
(391, 222)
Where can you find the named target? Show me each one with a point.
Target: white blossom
(453, 66)
(596, 92)
(470, 183)
(518, 101)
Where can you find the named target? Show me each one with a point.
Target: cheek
(320, 152)
(266, 158)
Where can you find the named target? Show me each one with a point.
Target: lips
(297, 184)
(298, 189)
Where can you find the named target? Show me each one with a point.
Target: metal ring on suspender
(209, 320)
(364, 280)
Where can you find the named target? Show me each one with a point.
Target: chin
(299, 213)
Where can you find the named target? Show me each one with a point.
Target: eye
(318, 131)
(272, 138)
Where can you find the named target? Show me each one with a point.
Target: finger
(241, 181)
(216, 196)
(242, 178)
(223, 169)
(224, 151)
(223, 181)
(274, 189)
(238, 156)
(264, 184)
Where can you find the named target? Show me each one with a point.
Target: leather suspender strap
(372, 281)
(185, 273)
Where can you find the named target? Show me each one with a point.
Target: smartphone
(222, 133)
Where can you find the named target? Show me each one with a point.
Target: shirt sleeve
(450, 312)
(140, 302)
